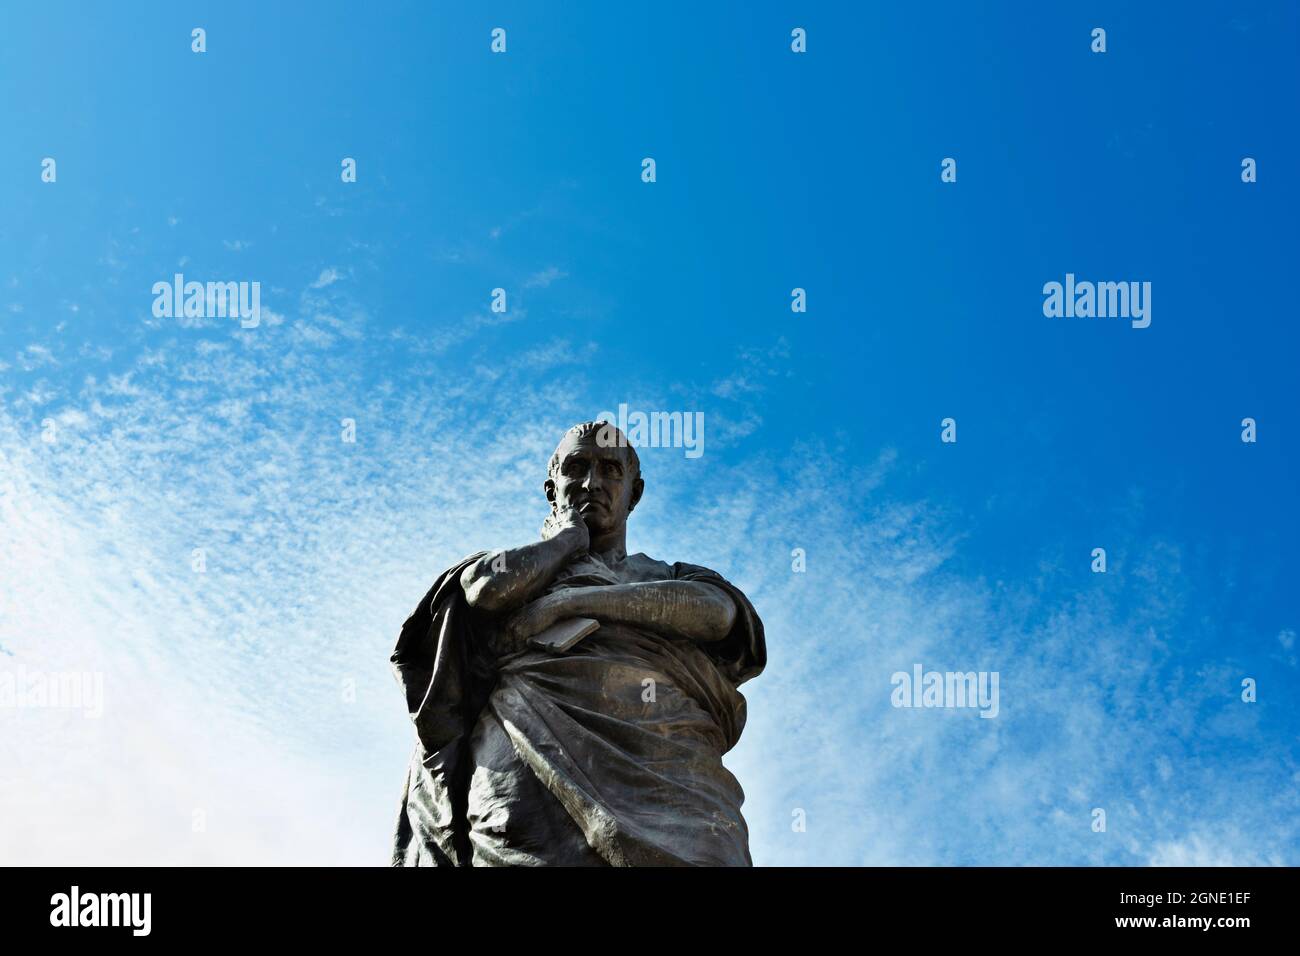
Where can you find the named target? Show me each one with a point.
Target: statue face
(597, 482)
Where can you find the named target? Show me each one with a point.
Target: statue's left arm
(691, 609)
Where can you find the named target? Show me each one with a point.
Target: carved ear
(549, 526)
(638, 487)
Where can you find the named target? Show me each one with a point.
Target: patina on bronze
(606, 753)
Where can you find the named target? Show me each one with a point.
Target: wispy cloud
(544, 278)
(327, 277)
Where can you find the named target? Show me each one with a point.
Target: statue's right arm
(503, 581)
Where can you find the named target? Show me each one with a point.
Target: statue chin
(596, 525)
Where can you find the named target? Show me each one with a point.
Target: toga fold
(608, 754)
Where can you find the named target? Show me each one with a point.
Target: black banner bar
(324, 905)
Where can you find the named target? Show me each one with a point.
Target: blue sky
(774, 171)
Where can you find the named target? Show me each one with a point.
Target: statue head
(595, 471)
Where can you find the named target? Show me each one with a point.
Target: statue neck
(610, 546)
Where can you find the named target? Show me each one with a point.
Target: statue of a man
(537, 750)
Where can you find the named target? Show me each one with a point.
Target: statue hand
(534, 618)
(565, 519)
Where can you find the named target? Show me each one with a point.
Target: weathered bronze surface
(608, 752)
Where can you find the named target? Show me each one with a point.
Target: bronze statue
(572, 702)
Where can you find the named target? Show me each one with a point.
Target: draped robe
(607, 754)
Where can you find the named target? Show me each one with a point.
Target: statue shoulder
(642, 567)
